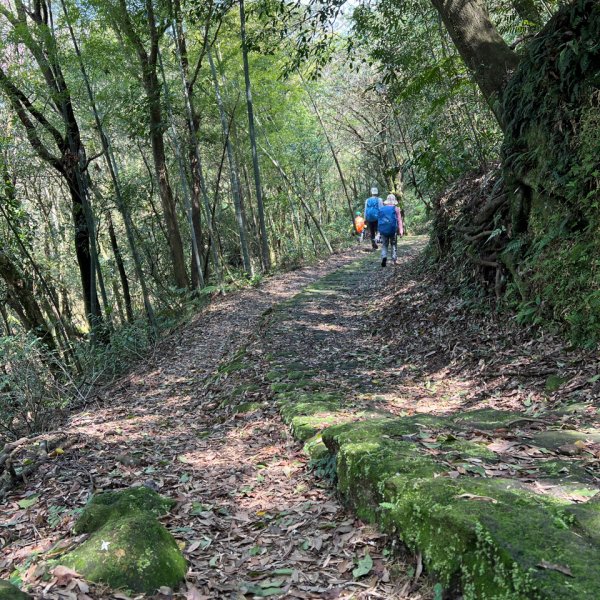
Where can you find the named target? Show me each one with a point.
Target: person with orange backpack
(389, 220)
(359, 225)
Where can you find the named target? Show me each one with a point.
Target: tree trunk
(199, 189)
(148, 61)
(233, 172)
(69, 162)
(121, 268)
(155, 123)
(481, 47)
(298, 195)
(113, 170)
(197, 272)
(264, 242)
(333, 153)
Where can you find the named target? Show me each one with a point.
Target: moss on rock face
(107, 505)
(128, 548)
(10, 592)
(552, 136)
(486, 535)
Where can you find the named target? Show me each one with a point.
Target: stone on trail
(8, 591)
(128, 548)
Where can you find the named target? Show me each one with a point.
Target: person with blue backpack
(389, 222)
(372, 206)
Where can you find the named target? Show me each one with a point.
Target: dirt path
(251, 520)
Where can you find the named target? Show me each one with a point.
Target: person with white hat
(390, 225)
(372, 206)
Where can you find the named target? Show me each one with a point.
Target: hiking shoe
(384, 261)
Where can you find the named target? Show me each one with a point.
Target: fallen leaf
(364, 567)
(554, 567)
(192, 593)
(64, 575)
(28, 502)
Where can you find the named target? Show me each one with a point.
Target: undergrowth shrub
(34, 386)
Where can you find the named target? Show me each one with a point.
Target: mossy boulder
(8, 591)
(128, 548)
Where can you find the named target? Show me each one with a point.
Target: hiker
(372, 206)
(390, 226)
(359, 225)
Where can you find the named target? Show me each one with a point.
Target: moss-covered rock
(488, 536)
(128, 548)
(10, 592)
(107, 505)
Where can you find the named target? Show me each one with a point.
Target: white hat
(391, 200)
(374, 191)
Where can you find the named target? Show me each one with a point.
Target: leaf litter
(250, 519)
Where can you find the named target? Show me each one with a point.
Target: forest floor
(198, 423)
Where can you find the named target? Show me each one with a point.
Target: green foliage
(551, 148)
(33, 389)
(324, 468)
(449, 129)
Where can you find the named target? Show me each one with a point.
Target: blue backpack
(387, 225)
(372, 209)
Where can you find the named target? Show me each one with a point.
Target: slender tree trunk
(481, 47)
(199, 188)
(113, 170)
(39, 39)
(264, 245)
(155, 122)
(121, 268)
(305, 206)
(233, 172)
(148, 62)
(7, 327)
(196, 259)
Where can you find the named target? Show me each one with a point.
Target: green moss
(587, 518)
(551, 143)
(486, 419)
(553, 439)
(122, 503)
(246, 407)
(128, 548)
(314, 448)
(134, 552)
(10, 592)
(306, 384)
(232, 367)
(553, 383)
(486, 535)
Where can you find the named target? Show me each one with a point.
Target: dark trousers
(372, 231)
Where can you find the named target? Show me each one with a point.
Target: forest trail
(344, 341)
(251, 518)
